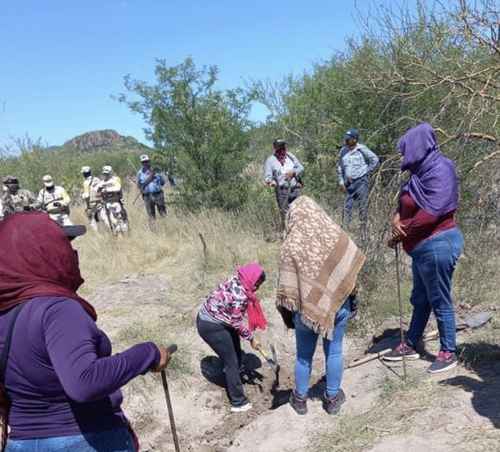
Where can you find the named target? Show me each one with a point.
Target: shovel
(470, 323)
(272, 363)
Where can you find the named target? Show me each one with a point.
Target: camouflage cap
(10, 180)
(48, 181)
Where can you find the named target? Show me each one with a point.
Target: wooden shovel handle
(263, 354)
(431, 335)
(434, 334)
(368, 358)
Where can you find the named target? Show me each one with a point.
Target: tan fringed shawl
(319, 266)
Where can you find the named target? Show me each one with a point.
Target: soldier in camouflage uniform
(55, 201)
(15, 199)
(92, 196)
(113, 213)
(3, 199)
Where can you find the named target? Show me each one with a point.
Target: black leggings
(225, 341)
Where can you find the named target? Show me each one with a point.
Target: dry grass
(174, 247)
(174, 250)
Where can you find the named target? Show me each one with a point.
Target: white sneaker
(242, 408)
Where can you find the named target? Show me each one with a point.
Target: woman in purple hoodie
(425, 225)
(60, 381)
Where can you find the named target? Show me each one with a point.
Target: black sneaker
(400, 351)
(444, 362)
(332, 404)
(298, 403)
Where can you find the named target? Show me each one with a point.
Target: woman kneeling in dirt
(319, 266)
(221, 323)
(425, 224)
(61, 383)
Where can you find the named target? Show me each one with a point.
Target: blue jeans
(357, 193)
(433, 264)
(306, 340)
(119, 440)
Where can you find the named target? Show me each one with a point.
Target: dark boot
(298, 403)
(332, 404)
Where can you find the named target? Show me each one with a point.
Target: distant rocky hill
(100, 139)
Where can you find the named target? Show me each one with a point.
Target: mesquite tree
(199, 127)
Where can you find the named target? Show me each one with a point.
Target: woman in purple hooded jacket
(60, 383)
(425, 225)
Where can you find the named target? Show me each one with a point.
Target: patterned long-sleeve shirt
(228, 304)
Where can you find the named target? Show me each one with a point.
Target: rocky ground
(454, 412)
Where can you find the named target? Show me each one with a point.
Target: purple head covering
(433, 184)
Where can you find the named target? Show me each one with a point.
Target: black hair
(261, 279)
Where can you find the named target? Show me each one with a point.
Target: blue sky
(62, 60)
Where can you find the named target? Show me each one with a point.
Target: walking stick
(171, 349)
(398, 279)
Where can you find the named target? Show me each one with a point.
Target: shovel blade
(273, 354)
(477, 320)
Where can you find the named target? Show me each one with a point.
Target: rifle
(108, 216)
(136, 198)
(63, 209)
(140, 188)
(105, 207)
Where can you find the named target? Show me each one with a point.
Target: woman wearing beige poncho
(319, 266)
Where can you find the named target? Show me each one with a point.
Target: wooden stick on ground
(368, 358)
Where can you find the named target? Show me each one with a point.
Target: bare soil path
(459, 411)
